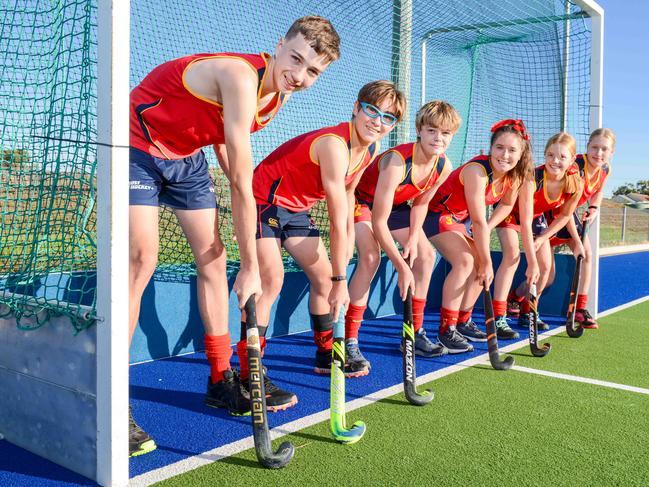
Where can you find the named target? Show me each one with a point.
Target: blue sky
(626, 87)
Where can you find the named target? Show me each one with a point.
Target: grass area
(487, 427)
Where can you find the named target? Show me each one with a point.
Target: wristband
(593, 207)
(338, 278)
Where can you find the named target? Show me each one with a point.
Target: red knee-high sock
(218, 351)
(418, 306)
(525, 306)
(512, 296)
(500, 308)
(465, 315)
(353, 320)
(582, 301)
(242, 353)
(323, 331)
(447, 319)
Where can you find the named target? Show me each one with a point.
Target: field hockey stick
(534, 330)
(337, 421)
(263, 447)
(409, 370)
(575, 330)
(492, 336)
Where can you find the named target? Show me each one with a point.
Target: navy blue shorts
(184, 184)
(539, 224)
(399, 215)
(563, 235)
(277, 222)
(436, 223)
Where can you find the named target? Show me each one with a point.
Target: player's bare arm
(475, 182)
(526, 212)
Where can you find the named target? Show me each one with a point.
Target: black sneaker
(454, 342)
(471, 332)
(524, 322)
(513, 308)
(276, 399)
(355, 364)
(503, 330)
(227, 394)
(322, 362)
(139, 442)
(424, 347)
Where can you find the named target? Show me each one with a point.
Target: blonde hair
(524, 169)
(604, 132)
(571, 179)
(440, 114)
(378, 91)
(319, 33)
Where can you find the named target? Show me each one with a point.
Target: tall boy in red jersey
(179, 108)
(325, 164)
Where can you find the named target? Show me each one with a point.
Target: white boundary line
(610, 311)
(230, 449)
(584, 380)
(623, 249)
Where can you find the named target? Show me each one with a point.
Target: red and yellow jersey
(290, 178)
(408, 188)
(169, 121)
(598, 178)
(542, 201)
(450, 197)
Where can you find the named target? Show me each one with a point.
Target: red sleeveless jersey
(168, 121)
(408, 188)
(450, 198)
(590, 188)
(290, 178)
(542, 201)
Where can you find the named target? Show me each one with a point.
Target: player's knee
(464, 264)
(426, 253)
(142, 263)
(369, 260)
(321, 284)
(271, 283)
(511, 258)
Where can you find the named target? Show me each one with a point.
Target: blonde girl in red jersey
(411, 171)
(458, 223)
(594, 169)
(556, 187)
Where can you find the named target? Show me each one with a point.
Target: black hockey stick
(492, 336)
(408, 347)
(575, 330)
(534, 330)
(263, 447)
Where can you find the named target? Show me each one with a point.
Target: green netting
(490, 59)
(47, 160)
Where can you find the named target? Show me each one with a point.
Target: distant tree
(641, 187)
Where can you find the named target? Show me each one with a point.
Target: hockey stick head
(260, 433)
(348, 436)
(492, 336)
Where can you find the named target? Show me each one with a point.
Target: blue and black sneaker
(424, 347)
(471, 332)
(227, 394)
(524, 322)
(276, 399)
(454, 341)
(139, 442)
(356, 365)
(503, 330)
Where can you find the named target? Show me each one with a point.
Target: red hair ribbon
(517, 125)
(573, 169)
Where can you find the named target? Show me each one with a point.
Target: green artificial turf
(616, 352)
(486, 428)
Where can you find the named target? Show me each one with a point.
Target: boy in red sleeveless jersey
(556, 188)
(460, 231)
(179, 108)
(325, 164)
(411, 171)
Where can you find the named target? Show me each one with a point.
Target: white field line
(584, 380)
(230, 449)
(622, 306)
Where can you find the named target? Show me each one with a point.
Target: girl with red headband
(556, 187)
(460, 231)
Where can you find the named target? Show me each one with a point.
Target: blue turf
(167, 398)
(623, 278)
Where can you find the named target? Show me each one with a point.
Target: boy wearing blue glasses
(409, 172)
(325, 164)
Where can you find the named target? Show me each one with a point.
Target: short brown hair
(571, 179)
(378, 91)
(439, 114)
(319, 33)
(604, 132)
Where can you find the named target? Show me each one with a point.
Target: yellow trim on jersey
(403, 160)
(336, 136)
(545, 189)
(360, 159)
(596, 173)
(430, 175)
(470, 163)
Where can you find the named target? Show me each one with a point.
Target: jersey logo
(272, 222)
